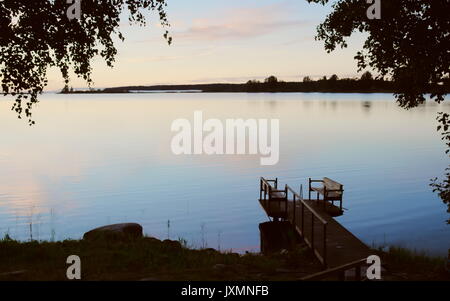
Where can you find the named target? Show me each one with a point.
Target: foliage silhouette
(307, 79)
(367, 76)
(37, 35)
(270, 84)
(409, 44)
(334, 78)
(443, 189)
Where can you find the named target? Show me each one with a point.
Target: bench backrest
(265, 186)
(331, 185)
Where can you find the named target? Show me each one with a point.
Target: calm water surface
(93, 160)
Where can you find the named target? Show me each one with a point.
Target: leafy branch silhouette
(409, 44)
(37, 35)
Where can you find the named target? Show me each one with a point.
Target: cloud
(242, 23)
(163, 58)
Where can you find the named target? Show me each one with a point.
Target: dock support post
(286, 202)
(260, 188)
(325, 245)
(312, 231)
(303, 219)
(358, 273)
(309, 193)
(295, 209)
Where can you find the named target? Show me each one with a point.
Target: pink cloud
(242, 23)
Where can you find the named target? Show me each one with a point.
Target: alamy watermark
(374, 270)
(74, 270)
(74, 10)
(374, 11)
(232, 137)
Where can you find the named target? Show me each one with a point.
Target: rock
(152, 240)
(117, 231)
(211, 250)
(173, 244)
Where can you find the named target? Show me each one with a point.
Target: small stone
(211, 250)
(172, 244)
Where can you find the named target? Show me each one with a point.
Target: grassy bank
(146, 258)
(152, 259)
(404, 264)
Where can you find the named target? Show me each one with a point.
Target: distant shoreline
(270, 85)
(340, 86)
(205, 92)
(367, 84)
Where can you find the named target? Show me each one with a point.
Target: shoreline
(224, 92)
(270, 85)
(150, 259)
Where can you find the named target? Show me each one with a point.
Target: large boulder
(117, 231)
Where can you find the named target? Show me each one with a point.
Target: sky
(223, 41)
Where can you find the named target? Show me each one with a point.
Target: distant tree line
(365, 84)
(333, 84)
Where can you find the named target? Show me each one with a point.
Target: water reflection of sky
(100, 159)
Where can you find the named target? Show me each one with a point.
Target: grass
(145, 258)
(152, 259)
(405, 264)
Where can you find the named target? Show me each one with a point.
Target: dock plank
(331, 242)
(342, 246)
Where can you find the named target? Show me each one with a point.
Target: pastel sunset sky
(224, 41)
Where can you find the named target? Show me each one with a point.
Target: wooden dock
(332, 244)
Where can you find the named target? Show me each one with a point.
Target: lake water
(93, 160)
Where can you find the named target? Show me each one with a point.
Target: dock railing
(307, 221)
(334, 246)
(340, 271)
(300, 214)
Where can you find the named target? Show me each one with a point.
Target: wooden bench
(273, 199)
(331, 191)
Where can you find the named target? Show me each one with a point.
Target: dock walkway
(331, 242)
